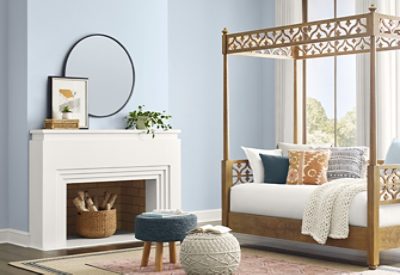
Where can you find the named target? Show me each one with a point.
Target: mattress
(288, 201)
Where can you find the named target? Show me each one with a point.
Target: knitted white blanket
(327, 212)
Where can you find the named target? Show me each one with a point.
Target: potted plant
(148, 120)
(66, 112)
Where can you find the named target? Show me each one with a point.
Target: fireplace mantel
(79, 134)
(61, 157)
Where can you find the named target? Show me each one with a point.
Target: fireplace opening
(131, 201)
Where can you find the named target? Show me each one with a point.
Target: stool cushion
(167, 229)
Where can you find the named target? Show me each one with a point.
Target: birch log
(78, 204)
(107, 196)
(112, 200)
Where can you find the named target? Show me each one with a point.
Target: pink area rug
(250, 264)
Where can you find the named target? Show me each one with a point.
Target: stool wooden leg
(159, 253)
(172, 253)
(146, 253)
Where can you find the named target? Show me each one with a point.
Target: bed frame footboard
(388, 177)
(233, 172)
(383, 189)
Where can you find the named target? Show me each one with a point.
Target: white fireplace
(61, 157)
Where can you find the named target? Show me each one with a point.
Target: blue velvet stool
(159, 230)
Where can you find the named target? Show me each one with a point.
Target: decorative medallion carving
(241, 172)
(389, 179)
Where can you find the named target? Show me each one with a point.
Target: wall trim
(13, 236)
(22, 238)
(209, 215)
(3, 235)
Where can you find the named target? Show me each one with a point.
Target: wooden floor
(12, 253)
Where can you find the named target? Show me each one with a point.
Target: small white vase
(67, 115)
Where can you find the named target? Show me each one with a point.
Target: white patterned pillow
(348, 162)
(286, 147)
(253, 155)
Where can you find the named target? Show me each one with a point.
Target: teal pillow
(393, 154)
(275, 168)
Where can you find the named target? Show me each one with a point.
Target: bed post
(226, 168)
(295, 124)
(304, 7)
(225, 99)
(373, 187)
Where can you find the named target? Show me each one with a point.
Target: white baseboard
(209, 215)
(14, 236)
(21, 238)
(3, 235)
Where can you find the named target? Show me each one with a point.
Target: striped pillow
(348, 162)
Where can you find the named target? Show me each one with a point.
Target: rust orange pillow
(308, 167)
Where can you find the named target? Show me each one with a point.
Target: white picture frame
(72, 92)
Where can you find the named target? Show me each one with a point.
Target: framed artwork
(71, 94)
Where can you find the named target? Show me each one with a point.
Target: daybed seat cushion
(288, 201)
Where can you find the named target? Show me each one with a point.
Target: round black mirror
(109, 67)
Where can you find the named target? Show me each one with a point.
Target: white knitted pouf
(207, 253)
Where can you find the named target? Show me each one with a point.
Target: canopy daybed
(365, 33)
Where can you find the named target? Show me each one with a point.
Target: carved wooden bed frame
(365, 33)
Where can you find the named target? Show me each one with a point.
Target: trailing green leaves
(148, 120)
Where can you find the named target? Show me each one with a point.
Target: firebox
(130, 202)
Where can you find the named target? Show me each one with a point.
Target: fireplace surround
(59, 158)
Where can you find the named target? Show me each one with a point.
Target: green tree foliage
(346, 129)
(320, 128)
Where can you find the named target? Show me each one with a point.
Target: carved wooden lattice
(389, 26)
(387, 43)
(389, 179)
(285, 52)
(337, 47)
(241, 172)
(320, 36)
(333, 37)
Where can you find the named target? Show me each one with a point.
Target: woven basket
(99, 224)
(205, 253)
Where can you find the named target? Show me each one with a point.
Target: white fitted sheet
(288, 201)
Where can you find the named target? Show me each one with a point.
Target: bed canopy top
(331, 37)
(364, 33)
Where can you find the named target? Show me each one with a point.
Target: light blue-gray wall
(3, 115)
(55, 25)
(186, 81)
(195, 90)
(17, 115)
(268, 94)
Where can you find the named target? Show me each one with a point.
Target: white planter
(141, 122)
(67, 115)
